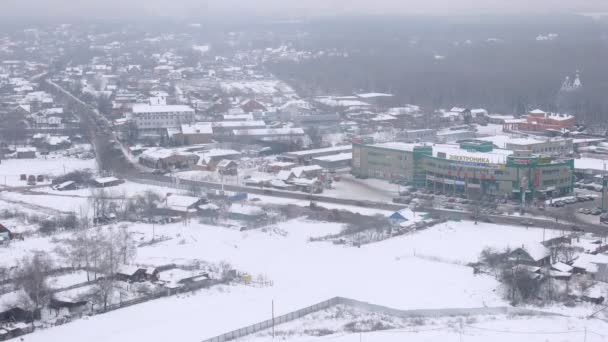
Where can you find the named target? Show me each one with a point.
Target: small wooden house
(131, 273)
(532, 254)
(17, 306)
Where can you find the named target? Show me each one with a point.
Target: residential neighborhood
(302, 178)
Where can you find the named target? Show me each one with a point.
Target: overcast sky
(127, 8)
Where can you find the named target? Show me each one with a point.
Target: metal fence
(267, 324)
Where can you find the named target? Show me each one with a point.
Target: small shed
(5, 233)
(65, 186)
(227, 167)
(106, 182)
(26, 152)
(397, 217)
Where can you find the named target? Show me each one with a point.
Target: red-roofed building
(538, 120)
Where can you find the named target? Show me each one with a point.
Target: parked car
(596, 212)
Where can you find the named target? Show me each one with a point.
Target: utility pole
(585, 334)
(604, 181)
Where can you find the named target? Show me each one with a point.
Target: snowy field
(52, 165)
(496, 329)
(423, 270)
(50, 201)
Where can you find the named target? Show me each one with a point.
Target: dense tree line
(493, 63)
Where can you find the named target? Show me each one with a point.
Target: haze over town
(303, 170)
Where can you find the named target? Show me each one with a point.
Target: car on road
(604, 218)
(559, 204)
(596, 212)
(585, 211)
(402, 200)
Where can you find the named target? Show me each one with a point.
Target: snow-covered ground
(75, 201)
(423, 270)
(67, 279)
(369, 189)
(476, 329)
(52, 165)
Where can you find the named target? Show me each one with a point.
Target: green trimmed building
(474, 168)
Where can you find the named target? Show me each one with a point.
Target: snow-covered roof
(281, 164)
(128, 270)
(269, 131)
(25, 149)
(15, 299)
(589, 262)
(336, 157)
(180, 202)
(248, 210)
(75, 295)
(175, 275)
(561, 267)
(372, 95)
(284, 175)
(304, 182)
(65, 184)
(105, 180)
(206, 156)
(145, 108)
(248, 123)
(158, 153)
(336, 149)
(536, 251)
(297, 171)
(238, 117)
(198, 128)
(398, 146)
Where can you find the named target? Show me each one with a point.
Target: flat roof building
(472, 168)
(148, 117)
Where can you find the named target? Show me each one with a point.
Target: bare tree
(520, 284)
(100, 202)
(32, 277)
(563, 252)
(147, 203)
